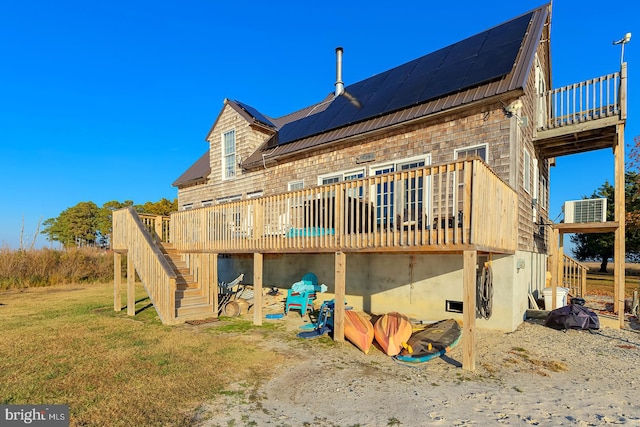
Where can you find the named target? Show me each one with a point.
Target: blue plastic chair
(302, 301)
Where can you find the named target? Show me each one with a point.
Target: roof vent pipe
(339, 83)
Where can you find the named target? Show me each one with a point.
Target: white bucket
(561, 297)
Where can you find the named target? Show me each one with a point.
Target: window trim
(541, 89)
(255, 194)
(294, 183)
(484, 145)
(526, 172)
(226, 157)
(543, 191)
(395, 164)
(228, 199)
(341, 175)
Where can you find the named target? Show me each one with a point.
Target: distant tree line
(86, 224)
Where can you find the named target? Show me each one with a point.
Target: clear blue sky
(112, 100)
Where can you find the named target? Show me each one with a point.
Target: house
(398, 191)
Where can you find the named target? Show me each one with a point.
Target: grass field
(66, 345)
(602, 283)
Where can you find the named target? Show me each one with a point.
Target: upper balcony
(583, 116)
(439, 208)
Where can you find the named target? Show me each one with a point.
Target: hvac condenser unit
(587, 210)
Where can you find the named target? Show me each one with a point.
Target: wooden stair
(191, 301)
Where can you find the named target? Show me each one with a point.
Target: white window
(350, 175)
(207, 202)
(481, 151)
(543, 192)
(411, 198)
(384, 196)
(526, 172)
(536, 195)
(295, 206)
(475, 151)
(329, 179)
(295, 185)
(340, 176)
(541, 89)
(228, 199)
(187, 206)
(229, 155)
(254, 194)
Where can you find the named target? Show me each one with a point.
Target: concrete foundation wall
(417, 285)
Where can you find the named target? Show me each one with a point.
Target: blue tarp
(310, 232)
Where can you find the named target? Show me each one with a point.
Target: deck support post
(213, 289)
(208, 277)
(553, 257)
(559, 273)
(469, 285)
(619, 250)
(257, 288)
(117, 281)
(340, 294)
(131, 286)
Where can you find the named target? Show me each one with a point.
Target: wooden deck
(450, 207)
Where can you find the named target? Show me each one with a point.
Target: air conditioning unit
(587, 210)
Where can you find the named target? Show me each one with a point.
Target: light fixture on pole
(626, 39)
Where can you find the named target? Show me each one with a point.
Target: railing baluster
(409, 208)
(573, 108)
(588, 100)
(615, 96)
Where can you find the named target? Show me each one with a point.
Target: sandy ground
(532, 376)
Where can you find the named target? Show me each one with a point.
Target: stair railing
(575, 276)
(149, 262)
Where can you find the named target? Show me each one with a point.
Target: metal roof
(528, 37)
(199, 171)
(494, 63)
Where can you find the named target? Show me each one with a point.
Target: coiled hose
(485, 291)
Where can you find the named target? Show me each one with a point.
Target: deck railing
(575, 276)
(444, 207)
(130, 234)
(585, 101)
(158, 226)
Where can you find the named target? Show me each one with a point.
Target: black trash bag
(572, 316)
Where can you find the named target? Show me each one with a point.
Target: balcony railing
(445, 207)
(585, 101)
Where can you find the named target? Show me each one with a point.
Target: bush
(47, 267)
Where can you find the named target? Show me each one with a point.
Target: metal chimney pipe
(339, 83)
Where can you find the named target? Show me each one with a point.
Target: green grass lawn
(66, 345)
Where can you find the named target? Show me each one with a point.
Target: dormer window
(229, 155)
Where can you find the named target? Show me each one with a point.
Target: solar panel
(476, 60)
(255, 114)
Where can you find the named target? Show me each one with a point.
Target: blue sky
(105, 101)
